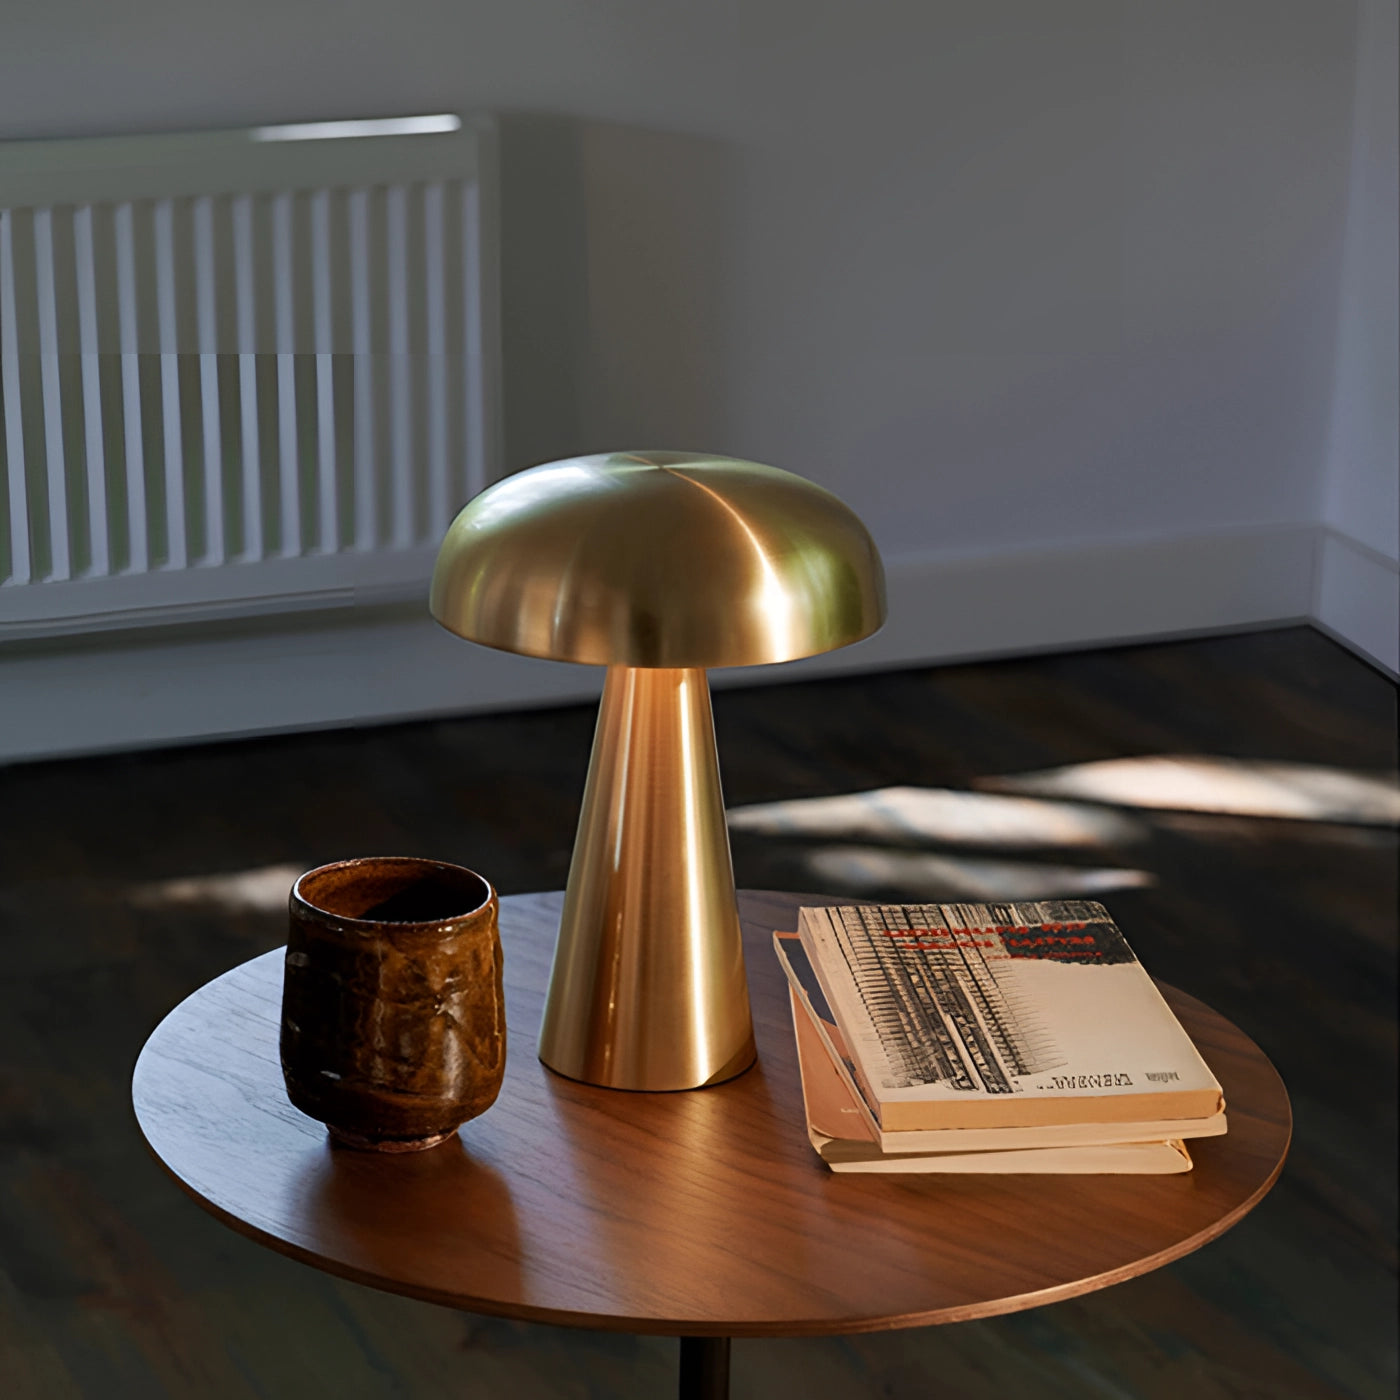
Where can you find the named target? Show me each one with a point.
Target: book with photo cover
(843, 1109)
(988, 1016)
(845, 1138)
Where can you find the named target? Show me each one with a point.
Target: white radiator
(241, 371)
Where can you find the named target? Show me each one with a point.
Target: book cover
(821, 1030)
(844, 1139)
(1002, 1015)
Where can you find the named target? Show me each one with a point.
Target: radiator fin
(207, 381)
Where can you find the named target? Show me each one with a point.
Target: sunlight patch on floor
(1237, 787)
(942, 816)
(921, 875)
(263, 890)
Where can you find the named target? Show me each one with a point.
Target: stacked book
(989, 1038)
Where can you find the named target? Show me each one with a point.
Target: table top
(703, 1213)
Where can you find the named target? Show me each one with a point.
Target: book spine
(842, 1066)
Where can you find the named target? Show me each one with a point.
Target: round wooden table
(704, 1215)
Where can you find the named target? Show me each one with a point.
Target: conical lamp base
(648, 988)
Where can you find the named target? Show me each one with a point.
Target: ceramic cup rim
(299, 897)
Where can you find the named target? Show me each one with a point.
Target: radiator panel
(197, 385)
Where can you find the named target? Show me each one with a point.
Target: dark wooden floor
(113, 1285)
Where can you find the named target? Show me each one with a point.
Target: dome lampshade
(658, 559)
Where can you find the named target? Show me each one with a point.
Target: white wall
(1358, 579)
(1029, 285)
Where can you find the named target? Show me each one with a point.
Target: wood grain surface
(693, 1214)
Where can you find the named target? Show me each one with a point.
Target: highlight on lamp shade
(659, 559)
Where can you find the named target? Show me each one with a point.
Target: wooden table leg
(704, 1368)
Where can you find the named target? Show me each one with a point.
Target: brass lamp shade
(657, 565)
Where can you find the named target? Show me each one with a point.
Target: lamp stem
(648, 988)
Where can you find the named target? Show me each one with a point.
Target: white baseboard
(121, 691)
(329, 670)
(962, 608)
(1357, 598)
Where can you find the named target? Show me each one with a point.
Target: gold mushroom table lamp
(657, 565)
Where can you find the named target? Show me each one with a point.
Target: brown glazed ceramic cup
(393, 1017)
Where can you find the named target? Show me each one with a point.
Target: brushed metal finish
(667, 559)
(648, 988)
(657, 565)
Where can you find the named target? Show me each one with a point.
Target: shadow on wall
(617, 276)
